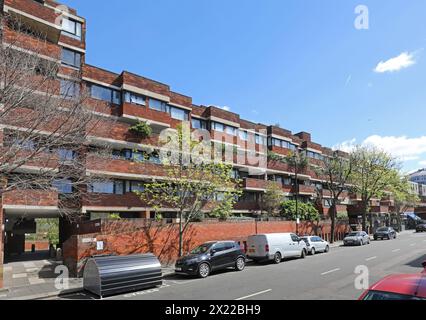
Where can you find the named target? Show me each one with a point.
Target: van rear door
(256, 246)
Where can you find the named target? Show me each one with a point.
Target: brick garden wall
(131, 237)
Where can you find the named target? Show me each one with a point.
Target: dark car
(385, 233)
(212, 256)
(421, 227)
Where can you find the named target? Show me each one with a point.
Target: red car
(399, 287)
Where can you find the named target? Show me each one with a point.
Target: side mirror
(213, 252)
(424, 264)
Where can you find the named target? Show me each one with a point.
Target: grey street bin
(110, 275)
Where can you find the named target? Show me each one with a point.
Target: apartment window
(107, 187)
(66, 154)
(72, 28)
(199, 124)
(64, 186)
(135, 98)
(134, 186)
(231, 130)
(235, 174)
(244, 135)
(179, 114)
(105, 94)
(260, 140)
(158, 105)
(218, 126)
(314, 155)
(69, 89)
(276, 143)
(71, 58)
(102, 187)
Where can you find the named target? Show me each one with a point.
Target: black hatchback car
(385, 233)
(212, 256)
(421, 227)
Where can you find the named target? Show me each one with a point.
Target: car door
(230, 253)
(295, 245)
(319, 244)
(217, 255)
(365, 237)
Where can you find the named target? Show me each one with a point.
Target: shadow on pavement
(417, 263)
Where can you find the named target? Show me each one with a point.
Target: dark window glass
(158, 105)
(135, 98)
(72, 28)
(69, 89)
(71, 58)
(105, 94)
(179, 114)
(63, 186)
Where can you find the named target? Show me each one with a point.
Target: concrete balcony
(249, 206)
(256, 184)
(157, 119)
(125, 169)
(31, 43)
(40, 203)
(36, 16)
(304, 190)
(113, 202)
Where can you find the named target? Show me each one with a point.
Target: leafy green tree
(403, 195)
(373, 175)
(141, 129)
(297, 161)
(272, 198)
(337, 171)
(305, 211)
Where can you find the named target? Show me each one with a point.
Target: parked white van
(275, 247)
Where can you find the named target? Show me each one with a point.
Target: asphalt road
(323, 276)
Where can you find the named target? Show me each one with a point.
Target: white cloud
(404, 60)
(422, 163)
(403, 147)
(226, 108)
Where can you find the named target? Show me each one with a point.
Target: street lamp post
(296, 169)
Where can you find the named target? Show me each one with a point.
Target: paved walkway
(32, 274)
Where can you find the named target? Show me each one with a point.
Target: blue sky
(299, 63)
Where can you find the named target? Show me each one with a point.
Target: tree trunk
(180, 235)
(333, 222)
(364, 216)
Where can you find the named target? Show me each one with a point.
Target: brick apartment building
(129, 98)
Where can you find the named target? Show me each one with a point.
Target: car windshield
(202, 249)
(305, 239)
(353, 234)
(381, 295)
(382, 229)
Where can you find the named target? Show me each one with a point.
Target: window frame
(77, 62)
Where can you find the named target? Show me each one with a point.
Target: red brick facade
(130, 237)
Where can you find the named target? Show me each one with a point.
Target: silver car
(358, 238)
(315, 244)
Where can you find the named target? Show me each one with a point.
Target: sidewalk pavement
(48, 290)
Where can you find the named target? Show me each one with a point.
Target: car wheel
(303, 254)
(203, 270)
(240, 264)
(277, 258)
(327, 249)
(313, 252)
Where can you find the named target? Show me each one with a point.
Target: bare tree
(44, 118)
(336, 170)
